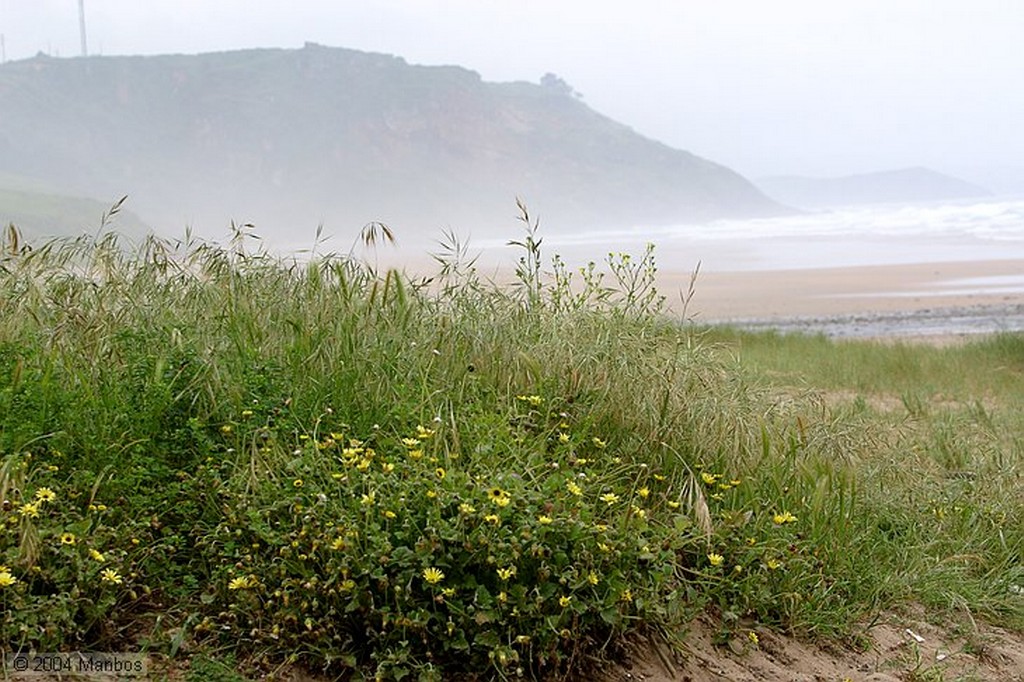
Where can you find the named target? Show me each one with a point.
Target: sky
(767, 87)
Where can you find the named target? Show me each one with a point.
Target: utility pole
(81, 26)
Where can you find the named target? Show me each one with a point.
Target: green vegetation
(215, 453)
(39, 215)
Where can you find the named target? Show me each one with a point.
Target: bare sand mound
(895, 647)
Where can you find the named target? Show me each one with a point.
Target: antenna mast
(81, 26)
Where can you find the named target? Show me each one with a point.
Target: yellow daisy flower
(433, 575)
(242, 582)
(46, 495)
(109, 575)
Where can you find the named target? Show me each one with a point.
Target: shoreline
(916, 299)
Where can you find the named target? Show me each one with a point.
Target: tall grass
(319, 463)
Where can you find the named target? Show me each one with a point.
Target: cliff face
(289, 139)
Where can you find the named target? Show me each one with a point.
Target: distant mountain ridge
(291, 138)
(896, 186)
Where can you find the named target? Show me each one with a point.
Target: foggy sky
(812, 87)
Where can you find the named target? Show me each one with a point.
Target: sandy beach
(916, 299)
(768, 294)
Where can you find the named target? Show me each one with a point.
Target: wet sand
(919, 299)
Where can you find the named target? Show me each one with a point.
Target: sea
(855, 236)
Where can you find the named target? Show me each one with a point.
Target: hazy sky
(815, 87)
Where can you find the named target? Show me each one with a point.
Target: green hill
(39, 215)
(288, 139)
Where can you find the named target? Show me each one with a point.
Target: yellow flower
(598, 443)
(96, 555)
(67, 538)
(440, 473)
(627, 595)
(643, 492)
(502, 501)
(752, 636)
(544, 520)
(506, 573)
(773, 564)
(564, 601)
(338, 544)
(46, 495)
(242, 582)
(246, 413)
(716, 559)
(30, 509)
(415, 454)
(424, 433)
(672, 504)
(433, 575)
(6, 579)
(367, 499)
(563, 438)
(387, 467)
(573, 488)
(109, 575)
(431, 494)
(534, 400)
(388, 514)
(492, 519)
(593, 578)
(410, 442)
(298, 483)
(784, 517)
(640, 512)
(226, 429)
(609, 498)
(709, 479)
(347, 585)
(659, 477)
(466, 508)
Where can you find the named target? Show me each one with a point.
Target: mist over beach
(479, 341)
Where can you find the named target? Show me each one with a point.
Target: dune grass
(214, 451)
